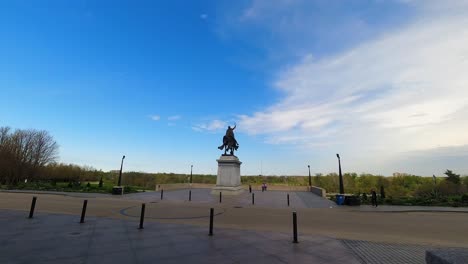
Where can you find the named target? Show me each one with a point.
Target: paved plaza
(176, 230)
(270, 199)
(61, 239)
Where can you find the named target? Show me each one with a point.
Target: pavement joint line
(90, 241)
(132, 248)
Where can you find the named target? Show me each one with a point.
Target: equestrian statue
(229, 142)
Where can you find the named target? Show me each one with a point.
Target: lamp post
(191, 167)
(120, 173)
(310, 178)
(341, 176)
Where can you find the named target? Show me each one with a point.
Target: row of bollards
(143, 207)
(220, 196)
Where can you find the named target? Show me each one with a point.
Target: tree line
(32, 155)
(398, 185)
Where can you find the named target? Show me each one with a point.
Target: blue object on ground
(340, 199)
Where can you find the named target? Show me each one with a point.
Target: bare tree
(24, 152)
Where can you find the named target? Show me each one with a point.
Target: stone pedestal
(228, 180)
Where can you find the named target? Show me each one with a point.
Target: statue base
(228, 180)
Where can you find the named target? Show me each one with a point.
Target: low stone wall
(178, 186)
(274, 187)
(255, 187)
(319, 191)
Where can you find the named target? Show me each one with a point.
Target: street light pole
(341, 176)
(120, 173)
(191, 167)
(310, 178)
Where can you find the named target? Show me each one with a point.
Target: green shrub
(464, 198)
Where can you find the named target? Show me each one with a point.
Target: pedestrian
(374, 198)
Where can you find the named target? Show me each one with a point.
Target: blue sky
(381, 82)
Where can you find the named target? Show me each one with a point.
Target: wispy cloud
(288, 29)
(155, 117)
(175, 117)
(406, 90)
(212, 126)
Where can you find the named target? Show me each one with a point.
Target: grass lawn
(90, 187)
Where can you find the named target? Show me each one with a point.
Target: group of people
(264, 187)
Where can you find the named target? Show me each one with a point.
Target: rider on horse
(229, 141)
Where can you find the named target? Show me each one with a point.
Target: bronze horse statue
(229, 145)
(229, 141)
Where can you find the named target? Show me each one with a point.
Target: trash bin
(117, 190)
(340, 199)
(352, 200)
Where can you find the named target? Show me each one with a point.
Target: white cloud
(155, 117)
(175, 117)
(261, 8)
(212, 126)
(404, 91)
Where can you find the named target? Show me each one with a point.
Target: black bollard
(220, 197)
(190, 195)
(295, 228)
(250, 188)
(33, 205)
(83, 211)
(211, 221)
(142, 215)
(162, 193)
(253, 198)
(288, 199)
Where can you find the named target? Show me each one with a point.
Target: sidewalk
(400, 208)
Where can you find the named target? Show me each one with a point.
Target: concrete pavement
(366, 235)
(53, 238)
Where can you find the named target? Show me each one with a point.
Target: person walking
(374, 198)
